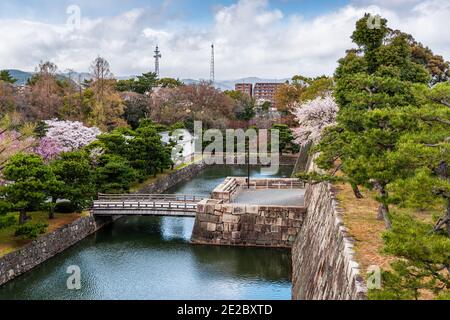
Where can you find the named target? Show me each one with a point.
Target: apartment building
(246, 88)
(266, 91)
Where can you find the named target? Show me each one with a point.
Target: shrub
(5, 207)
(7, 221)
(31, 230)
(65, 207)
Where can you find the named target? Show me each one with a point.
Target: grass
(10, 243)
(360, 216)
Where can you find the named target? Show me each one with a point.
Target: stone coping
(231, 187)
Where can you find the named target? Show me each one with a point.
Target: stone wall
(167, 182)
(246, 225)
(18, 262)
(324, 267)
(302, 161)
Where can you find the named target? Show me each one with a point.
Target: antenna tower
(212, 76)
(157, 56)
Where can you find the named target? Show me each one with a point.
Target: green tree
(114, 174)
(125, 85)
(423, 158)
(150, 155)
(375, 93)
(170, 83)
(6, 77)
(74, 171)
(145, 83)
(136, 108)
(141, 84)
(423, 264)
(142, 148)
(435, 64)
(287, 140)
(244, 105)
(29, 179)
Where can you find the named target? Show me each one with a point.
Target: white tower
(157, 56)
(212, 75)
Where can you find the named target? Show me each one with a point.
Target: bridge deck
(146, 205)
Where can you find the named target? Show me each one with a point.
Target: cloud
(252, 38)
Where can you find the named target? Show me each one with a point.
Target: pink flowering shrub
(314, 116)
(48, 149)
(70, 135)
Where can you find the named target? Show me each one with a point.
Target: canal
(144, 258)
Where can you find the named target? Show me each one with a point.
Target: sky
(262, 38)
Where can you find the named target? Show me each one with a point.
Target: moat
(151, 258)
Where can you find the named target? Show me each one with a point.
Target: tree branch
(436, 119)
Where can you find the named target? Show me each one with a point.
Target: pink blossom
(48, 149)
(71, 135)
(314, 116)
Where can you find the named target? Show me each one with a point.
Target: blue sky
(192, 11)
(264, 38)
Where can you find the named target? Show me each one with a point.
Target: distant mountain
(21, 76)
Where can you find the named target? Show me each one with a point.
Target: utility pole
(157, 56)
(212, 74)
(248, 164)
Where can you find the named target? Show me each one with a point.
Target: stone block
(227, 208)
(239, 209)
(275, 229)
(260, 220)
(211, 227)
(200, 208)
(252, 209)
(279, 222)
(235, 235)
(229, 218)
(210, 208)
(270, 221)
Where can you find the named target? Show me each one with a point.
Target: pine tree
(375, 93)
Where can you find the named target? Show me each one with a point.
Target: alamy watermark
(374, 22)
(234, 147)
(374, 278)
(74, 280)
(73, 21)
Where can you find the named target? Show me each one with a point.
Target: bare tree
(101, 74)
(43, 94)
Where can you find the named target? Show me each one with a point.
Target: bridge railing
(168, 206)
(150, 197)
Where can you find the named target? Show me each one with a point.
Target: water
(149, 258)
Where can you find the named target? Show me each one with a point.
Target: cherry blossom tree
(69, 135)
(49, 148)
(314, 116)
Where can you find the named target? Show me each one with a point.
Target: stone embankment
(45, 247)
(323, 259)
